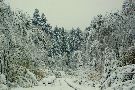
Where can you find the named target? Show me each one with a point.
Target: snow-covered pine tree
(36, 18)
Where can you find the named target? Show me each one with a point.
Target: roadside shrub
(128, 57)
(22, 76)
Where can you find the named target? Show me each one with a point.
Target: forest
(102, 56)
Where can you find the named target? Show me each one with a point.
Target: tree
(75, 39)
(43, 20)
(36, 18)
(128, 7)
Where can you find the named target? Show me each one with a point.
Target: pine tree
(36, 18)
(43, 20)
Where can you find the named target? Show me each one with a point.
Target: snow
(125, 79)
(3, 87)
(48, 80)
(2, 79)
(31, 77)
(80, 87)
(60, 84)
(3, 82)
(27, 49)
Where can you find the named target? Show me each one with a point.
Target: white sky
(68, 13)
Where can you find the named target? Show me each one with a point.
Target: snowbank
(3, 87)
(48, 80)
(79, 87)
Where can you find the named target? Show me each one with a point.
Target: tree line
(32, 45)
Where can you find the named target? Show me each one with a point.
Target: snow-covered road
(60, 84)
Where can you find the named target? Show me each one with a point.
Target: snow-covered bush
(2, 79)
(59, 74)
(27, 80)
(93, 75)
(129, 56)
(3, 87)
(31, 77)
(40, 73)
(22, 76)
(122, 76)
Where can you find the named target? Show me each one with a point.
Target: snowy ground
(60, 84)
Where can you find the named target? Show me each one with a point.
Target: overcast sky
(68, 13)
